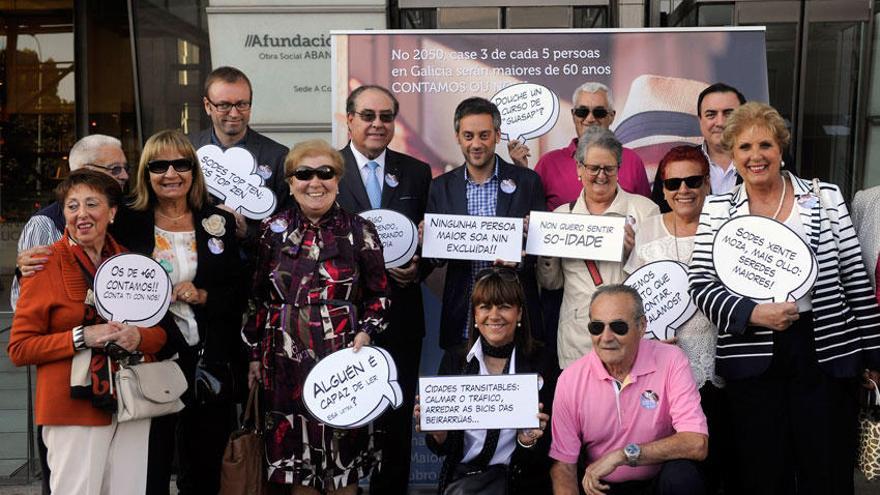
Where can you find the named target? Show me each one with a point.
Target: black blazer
(219, 319)
(406, 318)
(449, 196)
(529, 469)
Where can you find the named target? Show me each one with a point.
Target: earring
(518, 324)
(782, 164)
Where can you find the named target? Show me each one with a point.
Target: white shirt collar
(477, 352)
(362, 160)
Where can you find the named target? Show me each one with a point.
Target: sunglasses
(583, 112)
(370, 116)
(324, 172)
(502, 272)
(161, 166)
(692, 182)
(617, 326)
(115, 169)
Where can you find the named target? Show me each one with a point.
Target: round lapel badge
(391, 180)
(215, 245)
(264, 171)
(649, 399)
(508, 186)
(278, 225)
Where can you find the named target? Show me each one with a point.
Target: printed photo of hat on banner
(660, 113)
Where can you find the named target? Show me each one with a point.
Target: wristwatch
(632, 453)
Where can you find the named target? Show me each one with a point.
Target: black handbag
(213, 382)
(468, 480)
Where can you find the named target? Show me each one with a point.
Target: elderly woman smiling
(319, 287)
(792, 368)
(55, 325)
(598, 156)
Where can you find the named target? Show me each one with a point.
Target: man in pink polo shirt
(592, 104)
(632, 404)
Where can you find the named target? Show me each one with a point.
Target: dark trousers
(196, 436)
(793, 428)
(678, 477)
(718, 466)
(44, 462)
(396, 424)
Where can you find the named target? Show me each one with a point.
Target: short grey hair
(598, 137)
(594, 87)
(85, 150)
(614, 289)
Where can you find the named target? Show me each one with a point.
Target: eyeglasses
(595, 169)
(115, 169)
(692, 182)
(226, 107)
(161, 166)
(504, 273)
(619, 327)
(324, 172)
(370, 116)
(583, 112)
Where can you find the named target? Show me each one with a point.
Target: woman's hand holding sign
(775, 316)
(439, 436)
(528, 438)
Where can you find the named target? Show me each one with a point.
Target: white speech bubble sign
(566, 235)
(132, 288)
(528, 110)
(466, 402)
(663, 286)
(465, 237)
(764, 260)
(232, 176)
(348, 389)
(399, 235)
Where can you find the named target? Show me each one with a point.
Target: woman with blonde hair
(171, 219)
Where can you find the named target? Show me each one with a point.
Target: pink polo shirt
(558, 171)
(657, 399)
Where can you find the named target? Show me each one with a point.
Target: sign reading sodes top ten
(286, 54)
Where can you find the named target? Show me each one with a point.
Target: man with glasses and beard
(379, 177)
(228, 99)
(633, 406)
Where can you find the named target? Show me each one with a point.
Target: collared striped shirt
(39, 230)
(482, 200)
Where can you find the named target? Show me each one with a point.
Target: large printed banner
(655, 77)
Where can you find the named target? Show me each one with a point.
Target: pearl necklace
(781, 199)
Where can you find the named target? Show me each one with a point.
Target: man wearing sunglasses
(632, 404)
(593, 105)
(227, 100)
(97, 152)
(379, 177)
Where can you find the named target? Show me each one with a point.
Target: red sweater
(50, 306)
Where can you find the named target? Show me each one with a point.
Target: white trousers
(98, 460)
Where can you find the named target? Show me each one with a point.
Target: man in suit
(378, 177)
(485, 185)
(228, 98)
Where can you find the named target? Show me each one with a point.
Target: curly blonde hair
(755, 113)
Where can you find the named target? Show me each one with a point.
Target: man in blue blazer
(378, 177)
(485, 185)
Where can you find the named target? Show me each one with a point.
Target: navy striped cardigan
(846, 318)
